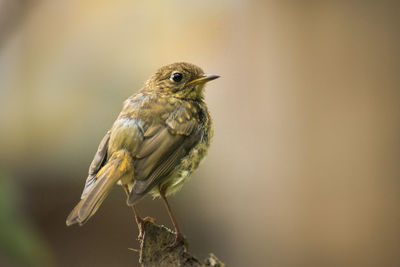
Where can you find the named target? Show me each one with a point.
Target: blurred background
(304, 166)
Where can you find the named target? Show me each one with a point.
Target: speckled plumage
(157, 141)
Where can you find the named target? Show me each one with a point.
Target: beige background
(304, 166)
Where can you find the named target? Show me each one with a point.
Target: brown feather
(98, 161)
(119, 165)
(160, 154)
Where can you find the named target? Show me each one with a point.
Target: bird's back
(170, 138)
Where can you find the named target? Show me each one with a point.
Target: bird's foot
(140, 222)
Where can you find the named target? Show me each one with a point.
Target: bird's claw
(140, 222)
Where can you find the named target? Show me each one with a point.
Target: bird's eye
(176, 77)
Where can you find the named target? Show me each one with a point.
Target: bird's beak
(203, 79)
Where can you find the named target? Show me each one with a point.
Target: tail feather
(89, 205)
(73, 217)
(134, 198)
(139, 190)
(118, 166)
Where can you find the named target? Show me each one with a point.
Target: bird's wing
(163, 148)
(98, 161)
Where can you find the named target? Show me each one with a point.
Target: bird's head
(181, 80)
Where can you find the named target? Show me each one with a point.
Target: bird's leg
(139, 220)
(179, 239)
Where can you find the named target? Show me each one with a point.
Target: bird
(159, 138)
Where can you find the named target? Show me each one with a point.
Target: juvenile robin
(157, 141)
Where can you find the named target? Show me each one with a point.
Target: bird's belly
(175, 183)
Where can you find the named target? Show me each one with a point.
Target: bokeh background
(304, 166)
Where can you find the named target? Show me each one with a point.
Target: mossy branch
(155, 250)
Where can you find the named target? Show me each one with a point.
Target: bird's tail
(119, 165)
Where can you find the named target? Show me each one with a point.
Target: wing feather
(162, 152)
(98, 161)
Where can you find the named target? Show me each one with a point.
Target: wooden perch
(155, 251)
